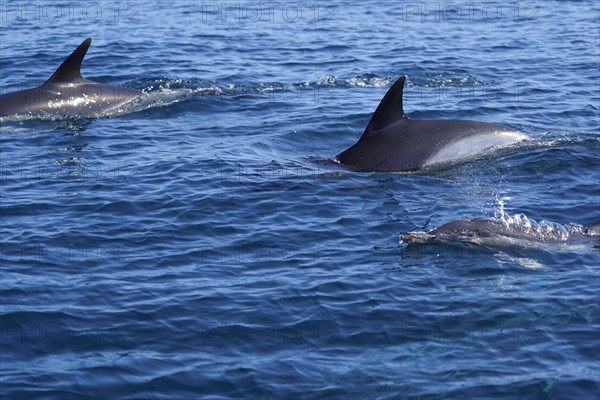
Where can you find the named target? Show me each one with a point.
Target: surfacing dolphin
(393, 142)
(516, 231)
(68, 94)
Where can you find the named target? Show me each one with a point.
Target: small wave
(163, 98)
(369, 81)
(544, 229)
(444, 80)
(165, 91)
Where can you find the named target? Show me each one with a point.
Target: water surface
(206, 245)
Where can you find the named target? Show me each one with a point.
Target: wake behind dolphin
(393, 142)
(512, 231)
(68, 94)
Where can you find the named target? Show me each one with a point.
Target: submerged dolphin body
(68, 94)
(520, 231)
(393, 142)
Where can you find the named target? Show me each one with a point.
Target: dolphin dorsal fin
(389, 110)
(70, 69)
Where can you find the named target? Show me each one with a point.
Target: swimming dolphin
(520, 231)
(393, 142)
(67, 93)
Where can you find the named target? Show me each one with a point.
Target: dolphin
(520, 231)
(68, 94)
(393, 142)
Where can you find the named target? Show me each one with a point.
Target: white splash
(544, 230)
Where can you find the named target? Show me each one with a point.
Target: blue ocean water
(206, 246)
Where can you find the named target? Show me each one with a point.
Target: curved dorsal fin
(389, 110)
(70, 69)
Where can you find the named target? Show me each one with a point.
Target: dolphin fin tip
(390, 108)
(70, 69)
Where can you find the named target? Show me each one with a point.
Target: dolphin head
(593, 230)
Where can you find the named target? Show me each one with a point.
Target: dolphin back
(68, 94)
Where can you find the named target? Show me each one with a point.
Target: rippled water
(206, 245)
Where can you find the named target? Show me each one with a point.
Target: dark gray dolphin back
(390, 109)
(393, 142)
(478, 227)
(70, 69)
(68, 94)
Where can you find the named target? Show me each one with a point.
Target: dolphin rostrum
(393, 142)
(518, 230)
(68, 94)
